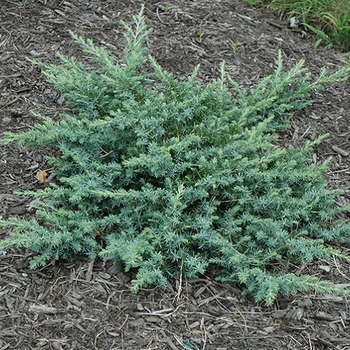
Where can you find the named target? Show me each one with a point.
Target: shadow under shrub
(169, 177)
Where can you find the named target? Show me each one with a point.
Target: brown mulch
(88, 305)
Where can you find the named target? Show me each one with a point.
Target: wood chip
(340, 151)
(320, 315)
(74, 301)
(42, 309)
(152, 319)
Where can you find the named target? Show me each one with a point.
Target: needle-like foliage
(169, 176)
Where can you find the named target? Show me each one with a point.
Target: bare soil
(88, 305)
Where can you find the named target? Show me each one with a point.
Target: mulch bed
(88, 305)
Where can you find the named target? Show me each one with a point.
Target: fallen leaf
(42, 176)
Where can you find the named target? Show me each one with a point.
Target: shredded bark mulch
(87, 304)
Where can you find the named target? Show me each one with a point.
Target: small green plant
(322, 35)
(329, 19)
(234, 45)
(200, 33)
(168, 7)
(340, 28)
(171, 176)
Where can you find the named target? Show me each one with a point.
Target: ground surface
(85, 305)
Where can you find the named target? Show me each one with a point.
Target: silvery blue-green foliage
(169, 177)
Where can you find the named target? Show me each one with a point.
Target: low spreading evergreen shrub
(170, 176)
